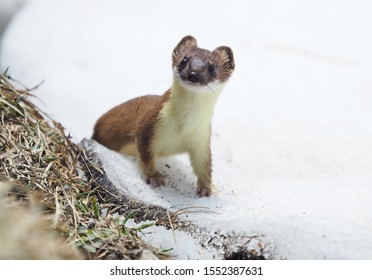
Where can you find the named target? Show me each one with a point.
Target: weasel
(179, 121)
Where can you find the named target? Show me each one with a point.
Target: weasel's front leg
(201, 161)
(152, 175)
(147, 162)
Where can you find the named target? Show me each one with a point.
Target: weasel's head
(194, 67)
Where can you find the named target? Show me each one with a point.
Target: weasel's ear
(227, 58)
(187, 42)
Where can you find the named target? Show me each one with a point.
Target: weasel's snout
(193, 77)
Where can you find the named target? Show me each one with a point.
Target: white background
(270, 269)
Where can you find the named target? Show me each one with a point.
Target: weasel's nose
(193, 77)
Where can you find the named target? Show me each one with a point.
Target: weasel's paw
(202, 191)
(156, 180)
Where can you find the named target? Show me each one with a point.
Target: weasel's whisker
(214, 93)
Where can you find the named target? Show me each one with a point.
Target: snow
(292, 131)
(7, 9)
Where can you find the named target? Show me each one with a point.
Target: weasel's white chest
(184, 124)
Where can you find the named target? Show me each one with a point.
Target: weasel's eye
(212, 69)
(183, 62)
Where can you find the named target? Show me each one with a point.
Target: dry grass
(25, 232)
(36, 153)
